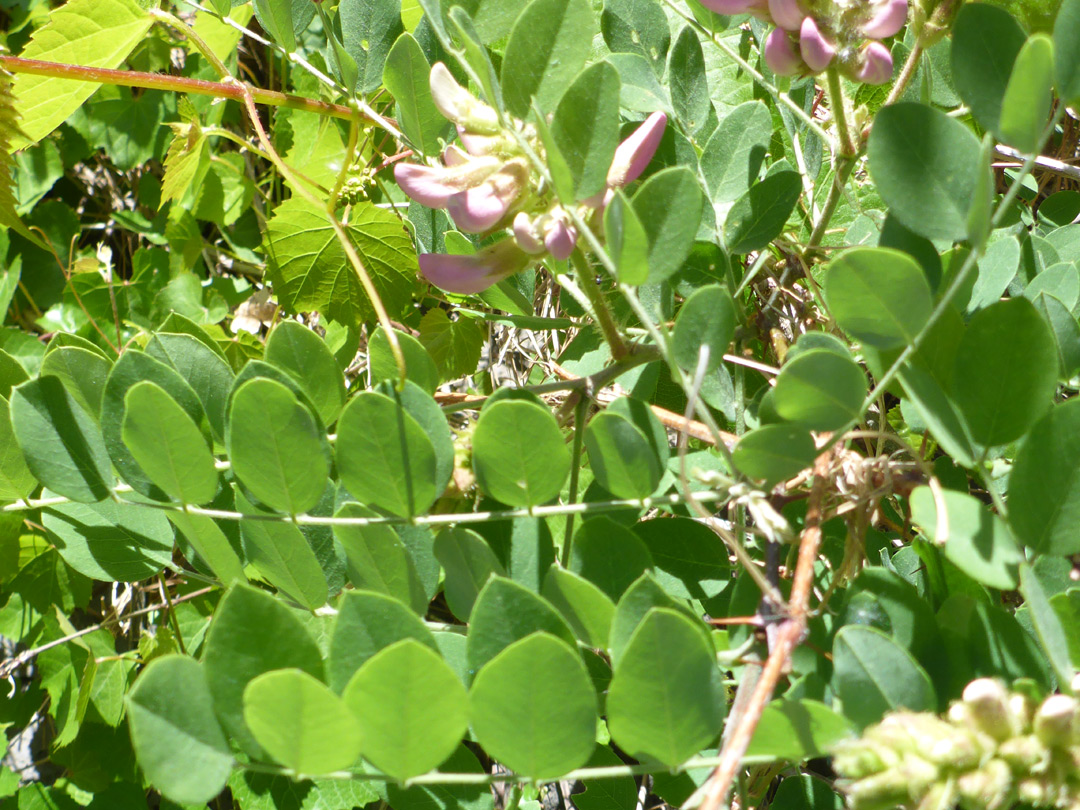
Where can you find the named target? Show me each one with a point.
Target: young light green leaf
(548, 45)
(176, 737)
(61, 443)
(168, 445)
(411, 708)
(797, 730)
(519, 455)
(16, 480)
(91, 33)
(420, 368)
(1048, 629)
(300, 722)
(666, 700)
(543, 727)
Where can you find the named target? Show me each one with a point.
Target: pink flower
(472, 274)
(525, 234)
(434, 185)
(560, 239)
(634, 154)
(816, 50)
(458, 104)
(889, 18)
(780, 54)
(876, 64)
(786, 14)
(480, 208)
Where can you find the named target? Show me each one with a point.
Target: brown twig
(788, 636)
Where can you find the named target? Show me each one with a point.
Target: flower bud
(454, 156)
(474, 273)
(889, 17)
(780, 54)
(885, 789)
(786, 14)
(941, 796)
(988, 704)
(634, 153)
(560, 239)
(485, 144)
(875, 64)
(816, 50)
(458, 104)
(1055, 721)
(525, 234)
(989, 787)
(1024, 754)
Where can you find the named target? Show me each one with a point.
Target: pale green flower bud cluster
(993, 749)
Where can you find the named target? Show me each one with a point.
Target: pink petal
(786, 14)
(634, 154)
(560, 240)
(525, 236)
(477, 210)
(454, 156)
(451, 99)
(890, 18)
(475, 273)
(780, 54)
(728, 6)
(434, 185)
(816, 51)
(877, 65)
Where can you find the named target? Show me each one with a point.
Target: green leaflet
(94, 33)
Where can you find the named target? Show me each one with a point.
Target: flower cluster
(993, 749)
(487, 185)
(811, 35)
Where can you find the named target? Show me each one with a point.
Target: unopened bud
(875, 64)
(816, 50)
(989, 787)
(1024, 754)
(459, 105)
(889, 17)
(988, 705)
(634, 153)
(1055, 721)
(787, 14)
(780, 54)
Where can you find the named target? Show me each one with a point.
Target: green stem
(838, 105)
(907, 73)
(600, 308)
(580, 410)
(177, 84)
(844, 166)
(199, 43)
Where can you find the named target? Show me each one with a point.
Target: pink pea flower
(480, 208)
(560, 239)
(816, 50)
(786, 14)
(472, 274)
(889, 17)
(780, 54)
(434, 185)
(876, 64)
(458, 104)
